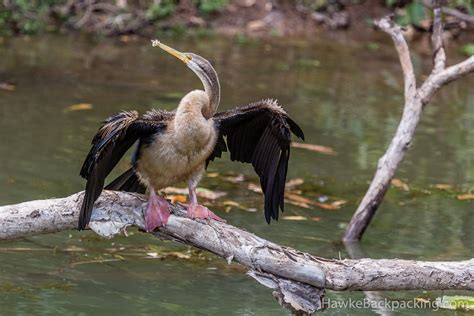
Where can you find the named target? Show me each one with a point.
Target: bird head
(203, 69)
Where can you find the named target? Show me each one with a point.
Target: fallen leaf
(78, 107)
(462, 197)
(119, 257)
(299, 198)
(294, 183)
(7, 86)
(295, 218)
(208, 194)
(443, 186)
(400, 184)
(179, 255)
(254, 187)
(237, 179)
(316, 148)
(421, 299)
(73, 248)
(305, 202)
(24, 249)
(212, 174)
(328, 206)
(339, 202)
(230, 204)
(300, 204)
(315, 218)
(298, 192)
(177, 198)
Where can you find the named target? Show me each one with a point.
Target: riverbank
(252, 18)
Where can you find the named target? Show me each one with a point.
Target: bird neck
(196, 104)
(210, 81)
(190, 123)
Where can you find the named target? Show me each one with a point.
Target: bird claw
(199, 211)
(157, 213)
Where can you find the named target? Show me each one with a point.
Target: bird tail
(128, 182)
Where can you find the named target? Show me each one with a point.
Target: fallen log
(294, 276)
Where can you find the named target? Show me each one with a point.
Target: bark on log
(115, 211)
(376, 298)
(415, 100)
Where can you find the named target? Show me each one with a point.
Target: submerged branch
(294, 276)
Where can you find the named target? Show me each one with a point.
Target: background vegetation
(122, 16)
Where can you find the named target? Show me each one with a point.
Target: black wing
(113, 139)
(128, 182)
(260, 134)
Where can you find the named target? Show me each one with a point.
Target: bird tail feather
(128, 182)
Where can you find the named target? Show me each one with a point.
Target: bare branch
(439, 56)
(387, 25)
(450, 74)
(458, 14)
(453, 12)
(415, 99)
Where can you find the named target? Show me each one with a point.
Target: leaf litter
(7, 86)
(397, 183)
(78, 107)
(315, 148)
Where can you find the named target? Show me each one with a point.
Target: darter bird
(177, 146)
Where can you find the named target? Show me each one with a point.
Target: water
(344, 94)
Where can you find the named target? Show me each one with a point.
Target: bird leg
(157, 212)
(199, 211)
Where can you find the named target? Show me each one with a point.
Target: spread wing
(114, 138)
(260, 134)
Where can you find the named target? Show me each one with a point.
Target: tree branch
(458, 14)
(453, 12)
(415, 99)
(439, 56)
(387, 25)
(298, 279)
(450, 74)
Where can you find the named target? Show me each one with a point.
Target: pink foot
(157, 213)
(199, 211)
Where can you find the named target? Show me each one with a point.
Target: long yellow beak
(181, 56)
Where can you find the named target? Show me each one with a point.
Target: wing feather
(114, 138)
(260, 134)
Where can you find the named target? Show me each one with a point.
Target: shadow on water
(344, 95)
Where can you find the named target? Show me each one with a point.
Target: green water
(344, 94)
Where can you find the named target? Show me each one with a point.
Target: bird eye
(189, 56)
